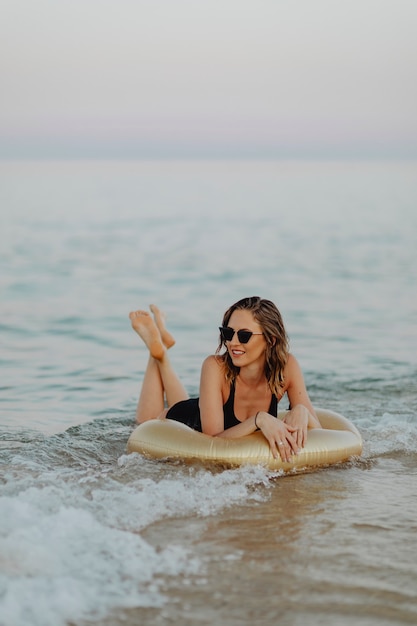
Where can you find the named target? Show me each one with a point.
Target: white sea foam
(70, 546)
(389, 433)
(64, 565)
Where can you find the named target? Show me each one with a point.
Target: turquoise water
(91, 535)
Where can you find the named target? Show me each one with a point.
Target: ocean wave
(71, 521)
(390, 433)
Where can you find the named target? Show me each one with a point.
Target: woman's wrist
(257, 427)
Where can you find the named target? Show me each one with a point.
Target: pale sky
(245, 78)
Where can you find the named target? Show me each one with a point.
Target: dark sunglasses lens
(244, 335)
(226, 333)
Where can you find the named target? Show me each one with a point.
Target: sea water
(92, 535)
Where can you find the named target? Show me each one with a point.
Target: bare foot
(146, 328)
(167, 339)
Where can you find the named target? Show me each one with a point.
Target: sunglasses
(228, 333)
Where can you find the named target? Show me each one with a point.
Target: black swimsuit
(188, 411)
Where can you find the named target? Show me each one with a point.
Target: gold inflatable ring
(337, 441)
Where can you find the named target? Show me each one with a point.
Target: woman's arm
(301, 415)
(211, 397)
(295, 386)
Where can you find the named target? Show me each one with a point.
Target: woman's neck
(252, 377)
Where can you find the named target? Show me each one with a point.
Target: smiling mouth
(237, 352)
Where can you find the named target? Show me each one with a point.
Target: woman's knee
(161, 416)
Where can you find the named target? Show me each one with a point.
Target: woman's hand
(298, 419)
(279, 436)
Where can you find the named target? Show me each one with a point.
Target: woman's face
(246, 353)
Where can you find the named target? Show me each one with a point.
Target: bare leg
(160, 380)
(151, 401)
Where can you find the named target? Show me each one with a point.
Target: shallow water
(90, 535)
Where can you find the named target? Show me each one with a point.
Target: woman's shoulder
(292, 369)
(213, 376)
(213, 363)
(213, 369)
(291, 359)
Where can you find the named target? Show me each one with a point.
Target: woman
(239, 388)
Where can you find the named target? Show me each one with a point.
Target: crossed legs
(160, 383)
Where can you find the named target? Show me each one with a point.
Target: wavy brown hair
(269, 318)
